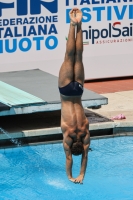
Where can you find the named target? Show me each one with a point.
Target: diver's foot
(79, 16)
(72, 15)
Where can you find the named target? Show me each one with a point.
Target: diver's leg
(66, 74)
(78, 67)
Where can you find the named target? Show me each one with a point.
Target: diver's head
(77, 148)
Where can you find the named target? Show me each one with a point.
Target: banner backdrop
(33, 34)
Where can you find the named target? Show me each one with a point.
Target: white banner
(33, 34)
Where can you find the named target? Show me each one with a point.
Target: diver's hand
(72, 180)
(79, 179)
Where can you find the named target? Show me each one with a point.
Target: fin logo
(35, 6)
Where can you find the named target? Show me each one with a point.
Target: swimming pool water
(38, 172)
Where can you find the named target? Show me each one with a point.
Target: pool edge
(97, 130)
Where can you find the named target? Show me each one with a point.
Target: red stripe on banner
(116, 23)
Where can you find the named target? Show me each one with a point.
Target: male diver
(74, 124)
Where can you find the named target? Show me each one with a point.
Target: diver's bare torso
(74, 123)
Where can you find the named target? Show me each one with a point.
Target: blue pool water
(38, 172)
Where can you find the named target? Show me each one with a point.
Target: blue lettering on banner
(14, 46)
(30, 20)
(118, 14)
(93, 2)
(22, 7)
(16, 33)
(38, 42)
(21, 46)
(25, 44)
(100, 13)
(5, 6)
(131, 12)
(35, 6)
(55, 42)
(1, 46)
(7, 32)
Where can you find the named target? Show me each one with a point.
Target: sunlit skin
(74, 124)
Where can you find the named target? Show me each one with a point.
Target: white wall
(107, 57)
